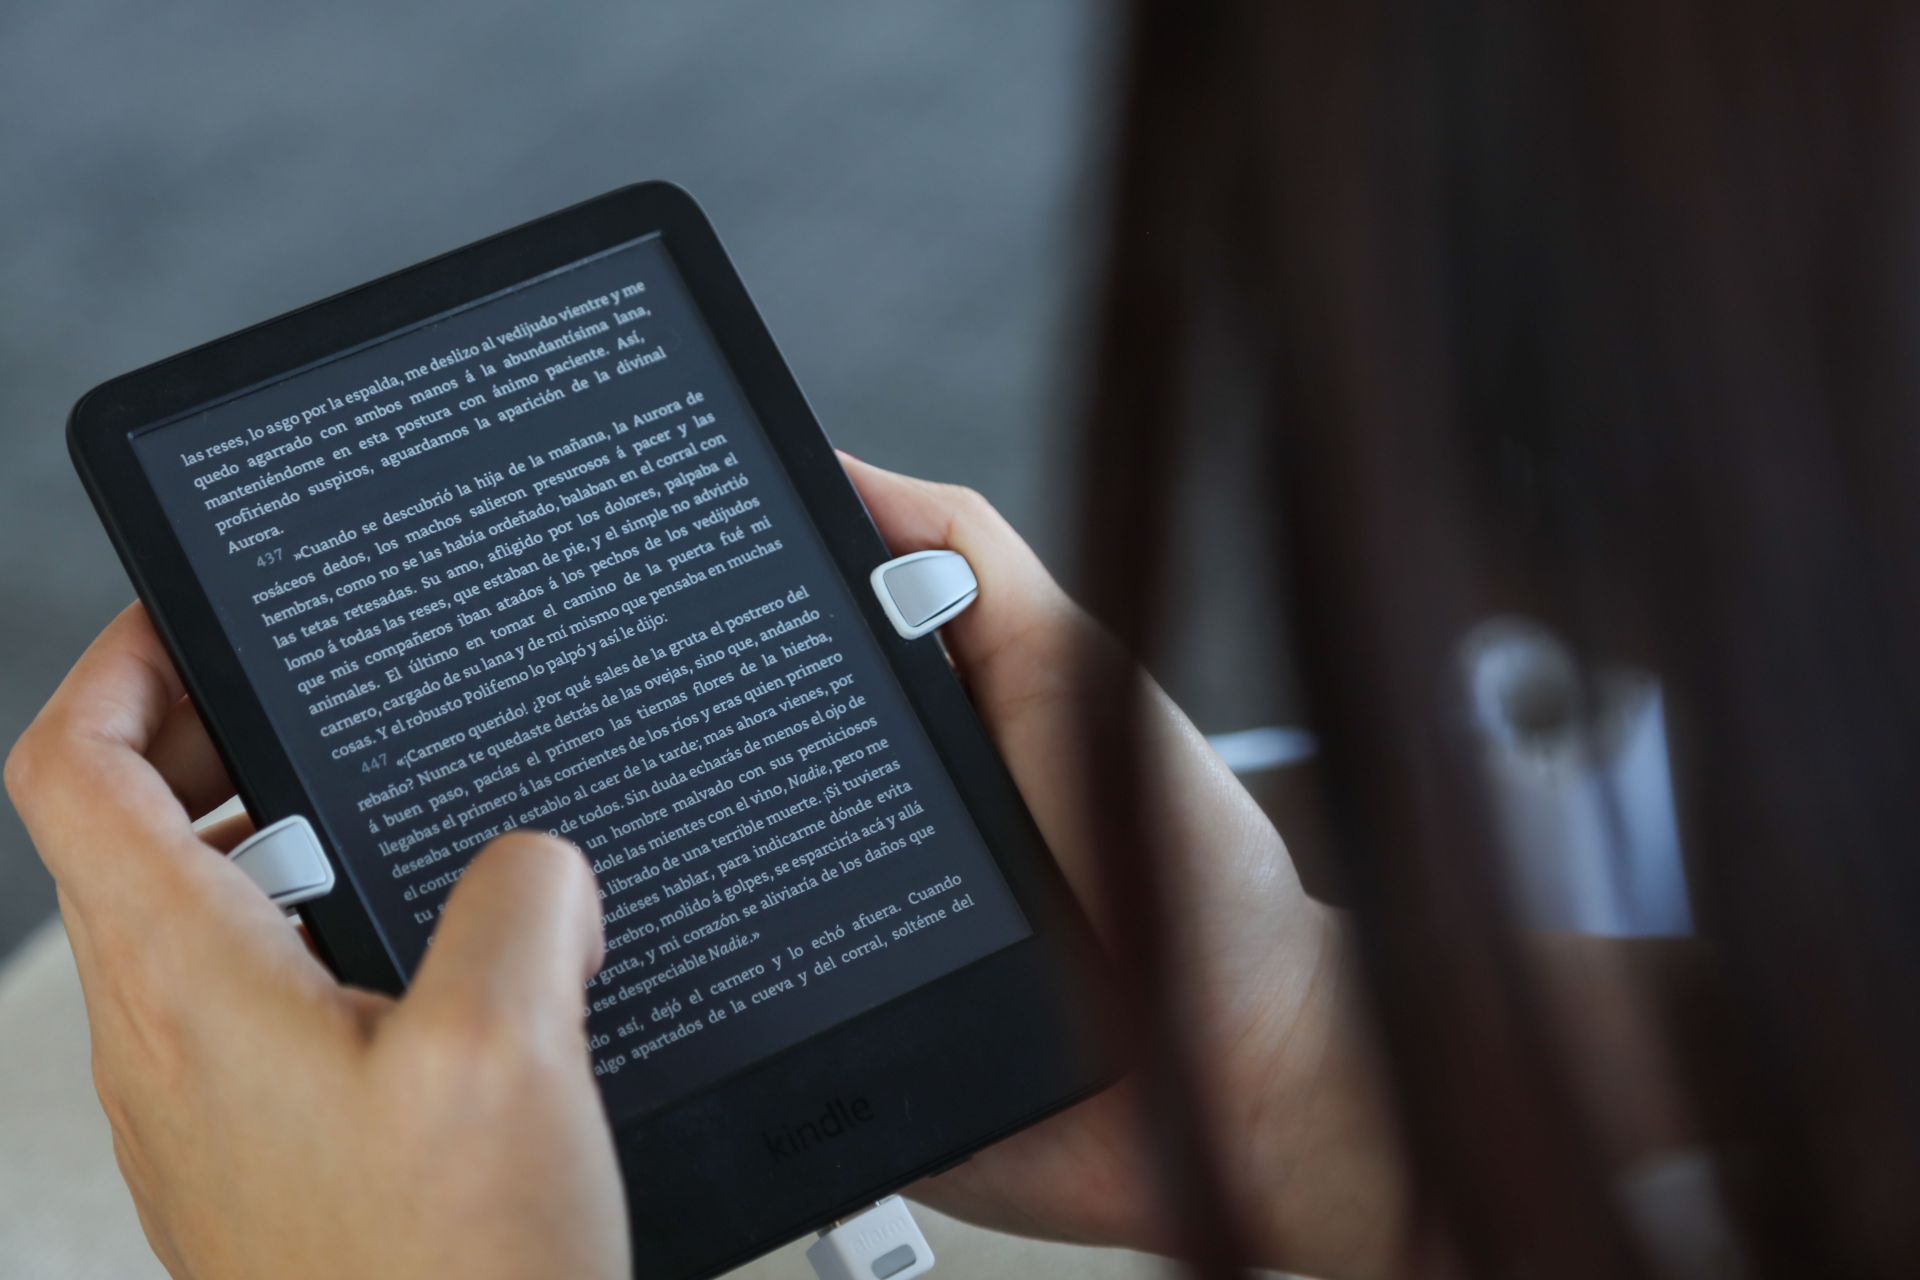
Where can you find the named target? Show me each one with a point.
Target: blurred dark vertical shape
(1345, 231)
(1166, 151)
(1604, 312)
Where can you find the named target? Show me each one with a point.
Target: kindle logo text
(840, 1118)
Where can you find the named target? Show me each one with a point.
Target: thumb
(518, 940)
(1020, 609)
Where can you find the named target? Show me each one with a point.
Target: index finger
(98, 811)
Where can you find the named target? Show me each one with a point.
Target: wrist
(1324, 1169)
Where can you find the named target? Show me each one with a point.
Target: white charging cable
(881, 1243)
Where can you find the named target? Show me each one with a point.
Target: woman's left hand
(269, 1121)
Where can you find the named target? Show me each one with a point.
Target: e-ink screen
(535, 564)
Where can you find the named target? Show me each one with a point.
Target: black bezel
(941, 1071)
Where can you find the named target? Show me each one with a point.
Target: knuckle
(112, 1101)
(135, 1087)
(972, 519)
(146, 1018)
(970, 502)
(126, 961)
(473, 1057)
(26, 763)
(455, 1035)
(47, 762)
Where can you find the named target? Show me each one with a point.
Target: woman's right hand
(1288, 1076)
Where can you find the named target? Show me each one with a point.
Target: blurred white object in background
(1578, 782)
(1260, 750)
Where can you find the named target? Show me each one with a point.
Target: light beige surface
(64, 1214)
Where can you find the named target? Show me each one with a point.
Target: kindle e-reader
(542, 533)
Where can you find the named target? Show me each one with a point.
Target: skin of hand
(269, 1121)
(1287, 1070)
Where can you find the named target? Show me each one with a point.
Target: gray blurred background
(911, 191)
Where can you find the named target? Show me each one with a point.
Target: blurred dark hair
(1603, 312)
